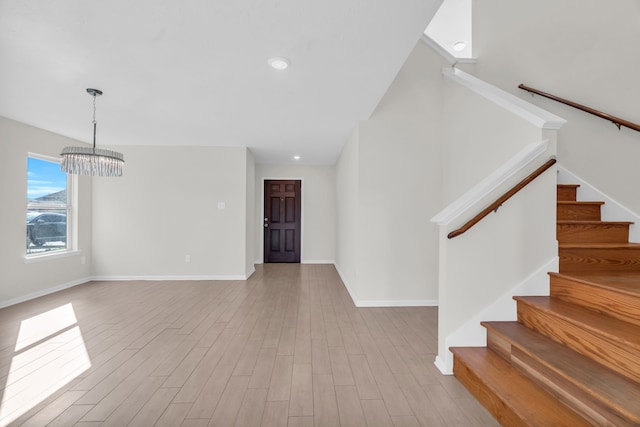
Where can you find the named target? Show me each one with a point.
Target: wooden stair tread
(599, 246)
(577, 202)
(568, 185)
(510, 396)
(614, 329)
(623, 283)
(593, 222)
(600, 383)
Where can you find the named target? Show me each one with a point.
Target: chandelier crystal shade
(92, 161)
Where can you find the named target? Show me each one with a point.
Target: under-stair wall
(493, 141)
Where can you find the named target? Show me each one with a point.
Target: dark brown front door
(282, 220)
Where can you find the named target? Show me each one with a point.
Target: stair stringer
(473, 334)
(611, 210)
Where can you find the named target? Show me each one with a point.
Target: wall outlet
(83, 260)
(222, 205)
(187, 258)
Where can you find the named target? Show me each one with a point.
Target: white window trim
(72, 198)
(29, 259)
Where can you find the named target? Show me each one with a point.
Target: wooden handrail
(613, 119)
(506, 196)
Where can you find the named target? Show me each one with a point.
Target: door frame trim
(260, 210)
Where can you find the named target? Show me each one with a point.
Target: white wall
(468, 156)
(582, 50)
(397, 156)
(318, 209)
(347, 203)
(250, 223)
(20, 281)
(508, 250)
(166, 206)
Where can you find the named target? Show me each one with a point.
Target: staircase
(572, 358)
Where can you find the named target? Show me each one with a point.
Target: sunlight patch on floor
(50, 352)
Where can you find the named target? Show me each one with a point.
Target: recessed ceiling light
(459, 45)
(279, 63)
(296, 157)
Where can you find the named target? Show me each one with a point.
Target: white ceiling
(195, 72)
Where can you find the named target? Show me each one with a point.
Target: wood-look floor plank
(261, 376)
(363, 377)
(206, 402)
(349, 408)
(320, 356)
(185, 368)
(301, 403)
(416, 364)
(350, 340)
(280, 385)
(325, 407)
(275, 414)
(286, 347)
(174, 415)
(302, 346)
(300, 422)
(195, 422)
(54, 409)
(230, 401)
(376, 413)
(154, 407)
(247, 361)
(252, 408)
(70, 416)
(424, 409)
(127, 409)
(405, 421)
(191, 389)
(340, 367)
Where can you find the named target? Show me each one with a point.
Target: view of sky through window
(44, 178)
(47, 206)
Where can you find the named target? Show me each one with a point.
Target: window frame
(71, 203)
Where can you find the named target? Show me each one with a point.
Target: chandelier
(91, 160)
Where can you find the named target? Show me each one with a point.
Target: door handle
(266, 222)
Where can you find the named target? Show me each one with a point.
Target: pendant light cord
(94, 122)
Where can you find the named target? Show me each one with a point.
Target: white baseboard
(308, 261)
(398, 303)
(318, 261)
(442, 366)
(167, 278)
(43, 292)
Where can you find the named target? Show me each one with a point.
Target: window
(48, 206)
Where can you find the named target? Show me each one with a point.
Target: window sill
(47, 257)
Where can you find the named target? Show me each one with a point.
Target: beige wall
(399, 187)
(166, 206)
(318, 209)
(19, 280)
(347, 212)
(480, 137)
(582, 50)
(250, 223)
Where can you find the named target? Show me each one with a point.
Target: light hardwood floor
(285, 348)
